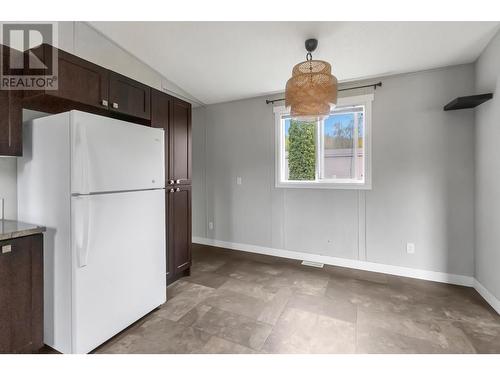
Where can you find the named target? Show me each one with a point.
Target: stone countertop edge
(10, 229)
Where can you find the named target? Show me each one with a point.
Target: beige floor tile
(216, 345)
(182, 303)
(274, 308)
(484, 336)
(334, 308)
(234, 327)
(210, 279)
(441, 335)
(247, 288)
(299, 331)
(159, 337)
(207, 265)
(237, 303)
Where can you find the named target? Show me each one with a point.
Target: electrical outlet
(210, 225)
(410, 248)
(238, 180)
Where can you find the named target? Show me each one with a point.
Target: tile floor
(245, 303)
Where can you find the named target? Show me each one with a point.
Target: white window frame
(366, 184)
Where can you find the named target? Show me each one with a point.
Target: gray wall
(423, 180)
(82, 40)
(487, 256)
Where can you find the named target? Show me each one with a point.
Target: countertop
(13, 229)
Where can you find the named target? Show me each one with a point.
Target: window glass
(328, 153)
(342, 145)
(300, 150)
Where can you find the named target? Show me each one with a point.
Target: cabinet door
(79, 81)
(180, 229)
(21, 294)
(11, 116)
(16, 324)
(36, 292)
(180, 142)
(11, 122)
(5, 302)
(129, 97)
(82, 81)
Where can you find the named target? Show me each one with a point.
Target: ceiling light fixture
(311, 93)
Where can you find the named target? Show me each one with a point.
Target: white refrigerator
(97, 185)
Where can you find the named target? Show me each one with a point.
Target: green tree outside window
(301, 147)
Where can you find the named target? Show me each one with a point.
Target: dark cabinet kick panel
(21, 295)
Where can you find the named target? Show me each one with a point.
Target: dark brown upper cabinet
(179, 169)
(179, 236)
(10, 113)
(81, 85)
(88, 87)
(11, 120)
(129, 97)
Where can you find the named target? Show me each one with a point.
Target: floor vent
(312, 264)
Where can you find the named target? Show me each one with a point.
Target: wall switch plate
(238, 180)
(210, 225)
(410, 248)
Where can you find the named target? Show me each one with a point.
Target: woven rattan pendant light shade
(312, 91)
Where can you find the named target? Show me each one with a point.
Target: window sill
(324, 185)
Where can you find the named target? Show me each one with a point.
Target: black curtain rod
(374, 85)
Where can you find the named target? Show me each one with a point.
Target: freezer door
(112, 155)
(118, 251)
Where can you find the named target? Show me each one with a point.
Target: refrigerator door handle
(82, 245)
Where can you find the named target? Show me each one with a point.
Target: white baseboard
(486, 294)
(343, 262)
(360, 265)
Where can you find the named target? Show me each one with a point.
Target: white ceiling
(224, 61)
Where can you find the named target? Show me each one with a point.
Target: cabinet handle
(171, 191)
(115, 105)
(177, 181)
(177, 189)
(104, 102)
(6, 249)
(170, 182)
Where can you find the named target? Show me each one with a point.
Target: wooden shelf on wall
(464, 102)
